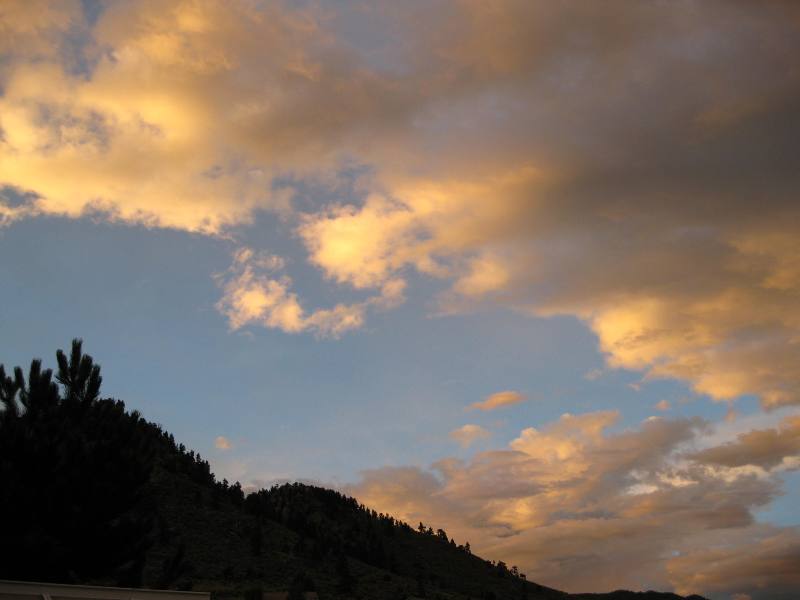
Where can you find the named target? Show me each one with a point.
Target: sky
(528, 271)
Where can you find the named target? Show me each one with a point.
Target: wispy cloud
(498, 400)
(254, 293)
(469, 434)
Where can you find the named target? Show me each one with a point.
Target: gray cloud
(766, 448)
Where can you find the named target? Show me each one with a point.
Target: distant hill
(92, 493)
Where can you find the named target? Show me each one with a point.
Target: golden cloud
(185, 114)
(580, 508)
(498, 400)
(632, 173)
(33, 27)
(253, 294)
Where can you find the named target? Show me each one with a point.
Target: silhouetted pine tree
(8, 395)
(79, 376)
(74, 483)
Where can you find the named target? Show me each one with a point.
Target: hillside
(93, 493)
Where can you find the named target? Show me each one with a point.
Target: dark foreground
(97, 495)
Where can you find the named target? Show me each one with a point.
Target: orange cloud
(498, 400)
(524, 169)
(33, 27)
(186, 114)
(222, 443)
(580, 508)
(253, 294)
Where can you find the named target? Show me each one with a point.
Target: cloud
(767, 571)
(469, 434)
(635, 173)
(765, 448)
(648, 222)
(581, 508)
(254, 294)
(498, 400)
(222, 443)
(663, 405)
(33, 27)
(176, 114)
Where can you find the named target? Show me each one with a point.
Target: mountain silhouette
(93, 493)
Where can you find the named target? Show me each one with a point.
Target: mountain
(93, 493)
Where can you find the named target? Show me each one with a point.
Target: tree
(75, 482)
(79, 376)
(8, 395)
(41, 392)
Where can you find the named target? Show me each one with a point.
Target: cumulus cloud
(579, 507)
(255, 293)
(467, 435)
(498, 400)
(222, 443)
(179, 114)
(663, 405)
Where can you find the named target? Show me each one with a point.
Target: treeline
(334, 528)
(330, 521)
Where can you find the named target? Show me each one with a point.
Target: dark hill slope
(92, 493)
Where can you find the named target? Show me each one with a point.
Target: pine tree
(40, 392)
(79, 376)
(9, 388)
(74, 480)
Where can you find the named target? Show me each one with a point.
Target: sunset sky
(525, 270)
